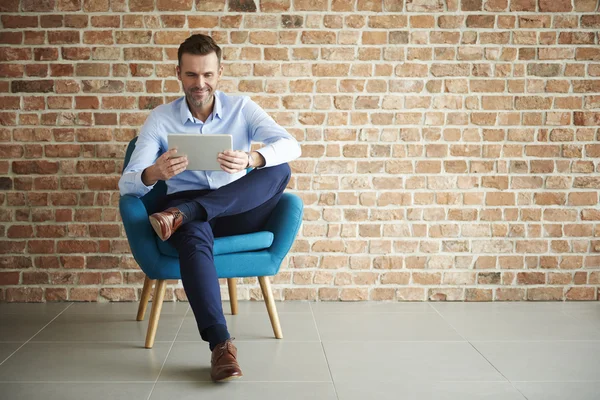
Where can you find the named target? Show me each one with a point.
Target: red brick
(545, 294)
(9, 278)
(582, 293)
(141, 5)
(35, 278)
(106, 21)
(143, 53)
(174, 5)
(83, 294)
(35, 167)
(11, 37)
(9, 6)
(18, 22)
(583, 198)
(555, 6)
(24, 295)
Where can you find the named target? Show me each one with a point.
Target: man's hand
(165, 167)
(233, 161)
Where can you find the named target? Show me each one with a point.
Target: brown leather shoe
(166, 222)
(223, 362)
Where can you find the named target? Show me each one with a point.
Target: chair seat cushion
(227, 245)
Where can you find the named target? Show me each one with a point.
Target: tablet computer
(201, 150)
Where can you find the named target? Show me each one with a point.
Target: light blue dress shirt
(236, 115)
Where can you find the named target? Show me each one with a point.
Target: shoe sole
(229, 378)
(157, 228)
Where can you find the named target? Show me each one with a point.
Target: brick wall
(450, 149)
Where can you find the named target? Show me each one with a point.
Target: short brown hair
(199, 44)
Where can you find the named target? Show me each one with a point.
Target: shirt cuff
(268, 153)
(140, 183)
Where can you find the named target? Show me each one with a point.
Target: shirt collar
(186, 114)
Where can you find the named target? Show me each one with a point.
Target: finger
(180, 169)
(229, 170)
(236, 160)
(229, 159)
(177, 160)
(176, 171)
(177, 165)
(231, 165)
(169, 153)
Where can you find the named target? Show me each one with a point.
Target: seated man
(202, 205)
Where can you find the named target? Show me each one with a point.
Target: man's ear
(178, 70)
(220, 71)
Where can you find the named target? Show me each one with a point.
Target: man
(202, 205)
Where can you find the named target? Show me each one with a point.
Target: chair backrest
(153, 198)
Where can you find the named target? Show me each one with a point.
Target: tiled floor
(346, 351)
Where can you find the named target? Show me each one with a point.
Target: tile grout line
(37, 333)
(315, 341)
(169, 352)
(293, 381)
(324, 353)
(477, 350)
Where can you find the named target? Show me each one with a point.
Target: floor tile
(428, 391)
(107, 328)
(75, 362)
(7, 348)
(374, 350)
(516, 323)
(245, 307)
(257, 326)
(240, 390)
(129, 308)
(275, 360)
(407, 362)
(534, 306)
(559, 390)
(369, 307)
(384, 326)
(585, 319)
(75, 391)
(22, 327)
(580, 306)
(33, 308)
(544, 361)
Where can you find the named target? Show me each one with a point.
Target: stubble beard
(199, 103)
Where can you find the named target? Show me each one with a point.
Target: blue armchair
(257, 254)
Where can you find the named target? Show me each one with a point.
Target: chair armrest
(284, 222)
(139, 232)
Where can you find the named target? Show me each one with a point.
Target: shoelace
(177, 214)
(224, 346)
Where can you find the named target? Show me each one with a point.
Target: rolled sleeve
(281, 147)
(147, 150)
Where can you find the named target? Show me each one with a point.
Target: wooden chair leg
(265, 286)
(232, 285)
(148, 283)
(157, 301)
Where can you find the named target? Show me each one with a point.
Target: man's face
(199, 76)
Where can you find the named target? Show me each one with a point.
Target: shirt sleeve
(281, 147)
(147, 150)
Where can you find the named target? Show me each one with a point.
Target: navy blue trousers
(241, 207)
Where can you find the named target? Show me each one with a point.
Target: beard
(199, 101)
